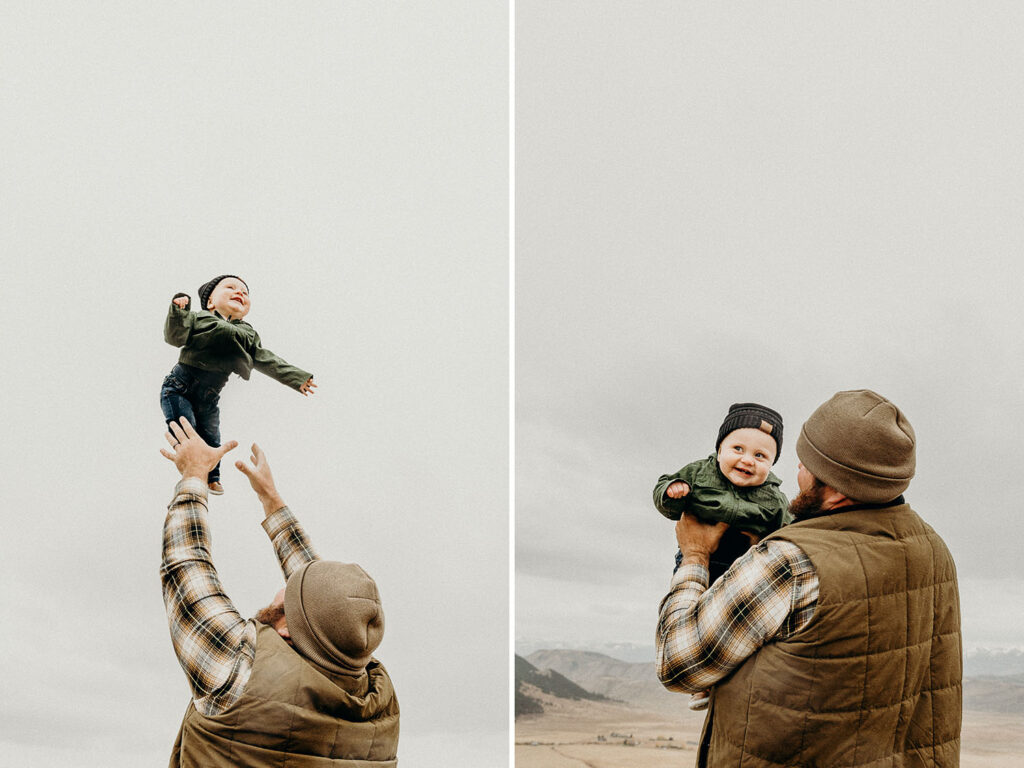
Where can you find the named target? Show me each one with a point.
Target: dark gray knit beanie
(860, 444)
(334, 615)
(756, 416)
(207, 288)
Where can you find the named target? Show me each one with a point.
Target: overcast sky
(350, 161)
(759, 202)
(715, 203)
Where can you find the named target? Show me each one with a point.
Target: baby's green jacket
(211, 343)
(760, 509)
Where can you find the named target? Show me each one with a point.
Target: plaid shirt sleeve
(704, 634)
(290, 541)
(214, 644)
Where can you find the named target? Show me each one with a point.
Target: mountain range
(530, 679)
(992, 683)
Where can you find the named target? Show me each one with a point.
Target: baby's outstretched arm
(269, 364)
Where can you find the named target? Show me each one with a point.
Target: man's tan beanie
(334, 615)
(860, 444)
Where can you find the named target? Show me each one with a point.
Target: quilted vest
(874, 679)
(290, 713)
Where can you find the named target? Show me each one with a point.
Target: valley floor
(606, 735)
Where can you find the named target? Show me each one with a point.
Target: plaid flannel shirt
(214, 644)
(704, 634)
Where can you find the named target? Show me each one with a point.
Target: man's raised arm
(286, 534)
(208, 634)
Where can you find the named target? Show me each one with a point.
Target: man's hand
(677, 490)
(307, 388)
(698, 540)
(181, 301)
(190, 453)
(261, 480)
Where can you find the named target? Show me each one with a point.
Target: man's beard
(810, 502)
(270, 615)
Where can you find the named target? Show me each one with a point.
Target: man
(835, 640)
(296, 686)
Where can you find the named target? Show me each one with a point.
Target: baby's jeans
(195, 394)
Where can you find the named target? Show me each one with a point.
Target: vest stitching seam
(907, 644)
(889, 594)
(865, 655)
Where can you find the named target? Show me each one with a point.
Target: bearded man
(835, 640)
(298, 684)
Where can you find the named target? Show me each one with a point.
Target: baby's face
(230, 298)
(746, 456)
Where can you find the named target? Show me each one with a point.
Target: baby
(215, 342)
(735, 485)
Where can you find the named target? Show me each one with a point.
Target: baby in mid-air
(215, 342)
(734, 485)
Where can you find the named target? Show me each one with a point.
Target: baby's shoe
(216, 489)
(698, 701)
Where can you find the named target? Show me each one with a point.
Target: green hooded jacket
(211, 343)
(712, 498)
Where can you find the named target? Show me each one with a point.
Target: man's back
(293, 713)
(875, 675)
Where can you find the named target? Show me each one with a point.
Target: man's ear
(833, 499)
(282, 630)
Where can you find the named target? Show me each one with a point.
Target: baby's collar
(218, 314)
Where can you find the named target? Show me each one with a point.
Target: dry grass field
(567, 736)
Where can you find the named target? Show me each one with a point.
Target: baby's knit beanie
(860, 444)
(334, 615)
(756, 416)
(207, 288)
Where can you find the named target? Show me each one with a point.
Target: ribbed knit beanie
(207, 288)
(860, 444)
(756, 416)
(334, 615)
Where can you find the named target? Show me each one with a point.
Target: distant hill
(546, 681)
(622, 651)
(632, 682)
(637, 684)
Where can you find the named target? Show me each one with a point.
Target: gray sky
(350, 161)
(731, 202)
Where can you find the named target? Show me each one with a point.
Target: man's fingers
(258, 457)
(695, 536)
(167, 454)
(244, 468)
(187, 428)
(170, 439)
(230, 445)
(176, 430)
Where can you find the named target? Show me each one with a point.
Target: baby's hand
(307, 388)
(181, 301)
(677, 490)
